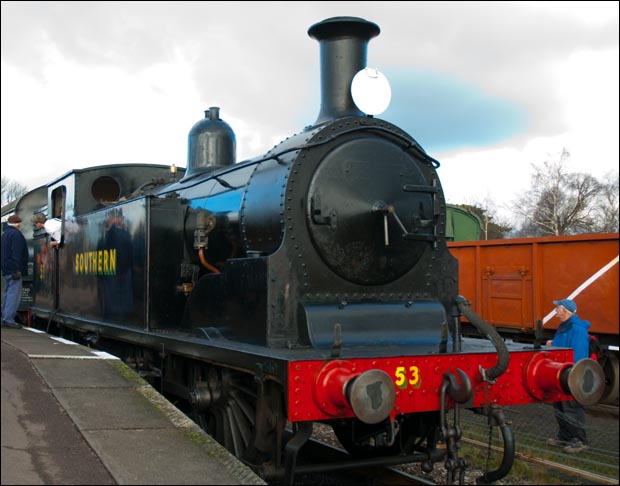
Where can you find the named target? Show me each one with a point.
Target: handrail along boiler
(309, 284)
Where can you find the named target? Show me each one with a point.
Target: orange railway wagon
(512, 284)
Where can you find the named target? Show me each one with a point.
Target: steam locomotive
(309, 284)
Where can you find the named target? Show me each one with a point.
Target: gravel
(324, 433)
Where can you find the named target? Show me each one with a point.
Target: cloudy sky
(486, 88)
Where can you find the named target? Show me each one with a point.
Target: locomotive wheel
(239, 415)
(609, 363)
(359, 439)
(225, 409)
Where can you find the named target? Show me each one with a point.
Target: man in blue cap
(571, 417)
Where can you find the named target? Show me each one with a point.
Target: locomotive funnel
(344, 42)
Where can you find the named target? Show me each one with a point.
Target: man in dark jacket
(14, 268)
(571, 417)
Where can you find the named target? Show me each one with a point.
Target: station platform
(73, 415)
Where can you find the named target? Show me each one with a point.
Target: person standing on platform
(571, 417)
(14, 268)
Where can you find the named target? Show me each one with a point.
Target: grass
(536, 463)
(522, 472)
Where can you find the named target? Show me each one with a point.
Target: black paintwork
(341, 223)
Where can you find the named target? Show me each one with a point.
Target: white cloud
(586, 83)
(82, 116)
(125, 82)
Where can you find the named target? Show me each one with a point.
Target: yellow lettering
(400, 377)
(99, 262)
(415, 375)
(402, 380)
(113, 261)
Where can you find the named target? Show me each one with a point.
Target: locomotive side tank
(312, 283)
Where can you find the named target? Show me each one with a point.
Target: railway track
(333, 465)
(603, 410)
(358, 474)
(532, 425)
(561, 466)
(545, 463)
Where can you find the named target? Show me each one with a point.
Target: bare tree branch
(11, 190)
(606, 208)
(559, 202)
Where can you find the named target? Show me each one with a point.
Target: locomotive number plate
(404, 377)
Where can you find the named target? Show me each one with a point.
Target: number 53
(402, 379)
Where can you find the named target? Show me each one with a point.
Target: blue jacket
(14, 252)
(573, 333)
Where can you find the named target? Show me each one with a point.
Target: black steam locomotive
(309, 284)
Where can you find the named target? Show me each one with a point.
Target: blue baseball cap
(568, 304)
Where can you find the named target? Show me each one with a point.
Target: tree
(606, 208)
(11, 190)
(492, 227)
(558, 202)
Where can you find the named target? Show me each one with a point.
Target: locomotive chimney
(344, 42)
